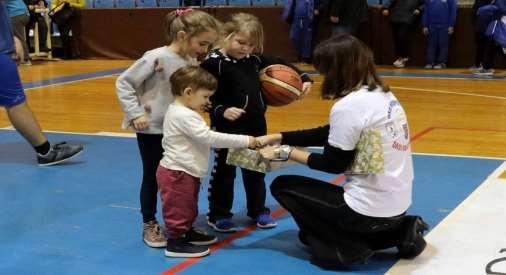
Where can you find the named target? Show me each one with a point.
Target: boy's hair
(192, 22)
(245, 23)
(194, 77)
(347, 64)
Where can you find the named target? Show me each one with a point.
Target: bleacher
(108, 4)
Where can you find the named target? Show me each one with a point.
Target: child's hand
(425, 30)
(451, 30)
(386, 12)
(252, 143)
(334, 19)
(416, 12)
(233, 113)
(316, 12)
(268, 140)
(140, 123)
(306, 88)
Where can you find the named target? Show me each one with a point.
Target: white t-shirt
(384, 194)
(187, 141)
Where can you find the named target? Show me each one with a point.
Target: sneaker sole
(231, 230)
(215, 240)
(62, 160)
(267, 226)
(155, 245)
(186, 255)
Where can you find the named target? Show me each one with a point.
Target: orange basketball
(280, 84)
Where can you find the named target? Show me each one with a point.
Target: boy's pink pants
(179, 193)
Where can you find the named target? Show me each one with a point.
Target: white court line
(123, 206)
(105, 134)
(469, 238)
(132, 135)
(447, 92)
(442, 92)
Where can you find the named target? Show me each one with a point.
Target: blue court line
(71, 78)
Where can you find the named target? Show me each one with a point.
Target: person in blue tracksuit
(438, 24)
(300, 14)
(480, 39)
(491, 47)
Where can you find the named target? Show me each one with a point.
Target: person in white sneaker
(144, 93)
(404, 15)
(13, 99)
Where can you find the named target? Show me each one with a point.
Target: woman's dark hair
(347, 64)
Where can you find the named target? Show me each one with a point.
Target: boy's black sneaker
(181, 248)
(197, 237)
(58, 153)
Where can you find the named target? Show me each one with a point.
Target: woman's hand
(269, 152)
(306, 88)
(233, 113)
(140, 123)
(268, 140)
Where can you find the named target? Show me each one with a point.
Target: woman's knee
(281, 183)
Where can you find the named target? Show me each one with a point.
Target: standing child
(187, 141)
(403, 18)
(239, 108)
(300, 15)
(144, 93)
(438, 21)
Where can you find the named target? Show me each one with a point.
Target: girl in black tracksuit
(238, 107)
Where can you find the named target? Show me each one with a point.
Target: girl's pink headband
(181, 12)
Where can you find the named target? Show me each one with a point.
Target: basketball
(281, 84)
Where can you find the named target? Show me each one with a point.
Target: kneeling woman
(367, 139)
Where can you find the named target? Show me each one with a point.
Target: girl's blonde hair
(247, 24)
(194, 77)
(192, 22)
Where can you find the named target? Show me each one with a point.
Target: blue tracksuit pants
(437, 45)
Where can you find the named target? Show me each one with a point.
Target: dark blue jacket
(440, 13)
(486, 12)
(401, 11)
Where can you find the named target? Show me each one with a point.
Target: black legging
(151, 150)
(330, 225)
(402, 38)
(221, 189)
(491, 51)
